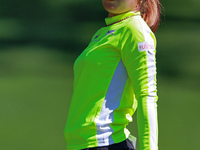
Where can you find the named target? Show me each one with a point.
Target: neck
(112, 15)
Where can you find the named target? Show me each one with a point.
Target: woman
(113, 76)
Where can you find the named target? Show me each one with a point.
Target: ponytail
(150, 11)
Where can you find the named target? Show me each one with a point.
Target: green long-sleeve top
(114, 76)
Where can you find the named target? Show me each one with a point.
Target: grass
(36, 87)
(178, 109)
(31, 109)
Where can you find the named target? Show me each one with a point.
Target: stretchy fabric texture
(114, 76)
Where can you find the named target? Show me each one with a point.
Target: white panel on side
(111, 102)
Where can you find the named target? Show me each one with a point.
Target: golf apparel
(113, 76)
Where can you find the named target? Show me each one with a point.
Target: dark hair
(150, 11)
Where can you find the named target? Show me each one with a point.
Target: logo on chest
(109, 32)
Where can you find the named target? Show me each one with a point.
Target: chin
(114, 10)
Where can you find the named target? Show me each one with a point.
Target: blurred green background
(39, 41)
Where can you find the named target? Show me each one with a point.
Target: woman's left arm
(138, 55)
